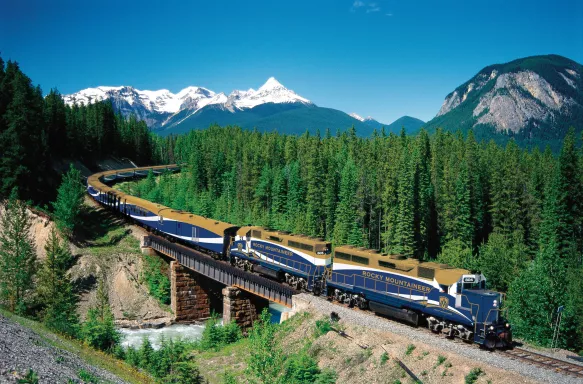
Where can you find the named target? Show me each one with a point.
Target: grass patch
(322, 327)
(410, 349)
(30, 378)
(473, 376)
(384, 358)
(440, 360)
(88, 377)
(89, 355)
(104, 234)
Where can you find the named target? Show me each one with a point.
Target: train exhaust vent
(427, 273)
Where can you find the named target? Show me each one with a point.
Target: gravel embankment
(22, 349)
(367, 319)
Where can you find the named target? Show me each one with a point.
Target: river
(134, 337)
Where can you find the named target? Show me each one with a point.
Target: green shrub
(30, 378)
(423, 373)
(301, 368)
(216, 336)
(410, 349)
(183, 373)
(326, 376)
(229, 378)
(384, 358)
(158, 282)
(322, 327)
(473, 376)
(160, 363)
(99, 331)
(441, 359)
(87, 377)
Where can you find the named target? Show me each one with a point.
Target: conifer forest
(513, 214)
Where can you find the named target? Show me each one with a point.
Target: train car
(448, 299)
(296, 259)
(203, 233)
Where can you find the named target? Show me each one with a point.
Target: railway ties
(543, 361)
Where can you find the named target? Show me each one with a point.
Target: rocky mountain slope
(533, 99)
(271, 107)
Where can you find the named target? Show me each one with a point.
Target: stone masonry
(242, 307)
(189, 299)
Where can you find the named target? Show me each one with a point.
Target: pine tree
(55, 290)
(17, 256)
(404, 242)
(314, 190)
(99, 329)
(346, 218)
(462, 226)
(69, 201)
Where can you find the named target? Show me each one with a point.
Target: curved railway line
(556, 365)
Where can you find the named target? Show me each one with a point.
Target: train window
(427, 273)
(322, 249)
(386, 264)
(307, 247)
(360, 260)
(341, 256)
(256, 234)
(275, 238)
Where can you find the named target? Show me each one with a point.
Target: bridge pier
(192, 296)
(242, 307)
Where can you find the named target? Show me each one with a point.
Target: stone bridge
(200, 284)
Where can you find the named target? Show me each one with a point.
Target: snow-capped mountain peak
(270, 92)
(270, 84)
(158, 108)
(357, 117)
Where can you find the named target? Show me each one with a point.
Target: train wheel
(317, 290)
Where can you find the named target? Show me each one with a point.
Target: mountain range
(533, 100)
(271, 107)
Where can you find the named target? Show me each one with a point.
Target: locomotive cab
(492, 330)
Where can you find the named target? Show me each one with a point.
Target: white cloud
(369, 7)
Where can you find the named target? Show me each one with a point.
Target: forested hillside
(510, 213)
(35, 132)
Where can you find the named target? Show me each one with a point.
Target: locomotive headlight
(491, 328)
(507, 325)
(495, 303)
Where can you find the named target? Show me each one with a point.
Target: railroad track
(559, 366)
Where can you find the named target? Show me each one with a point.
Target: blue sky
(382, 58)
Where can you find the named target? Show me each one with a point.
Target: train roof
(96, 182)
(283, 235)
(443, 273)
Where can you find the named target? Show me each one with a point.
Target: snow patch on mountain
(357, 117)
(158, 108)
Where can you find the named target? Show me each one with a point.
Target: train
(447, 300)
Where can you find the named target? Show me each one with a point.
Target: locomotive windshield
(323, 249)
(471, 282)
